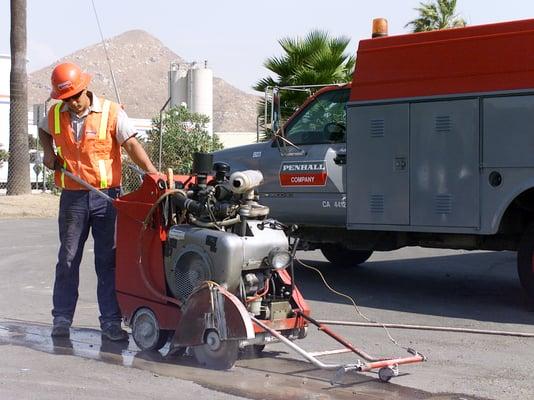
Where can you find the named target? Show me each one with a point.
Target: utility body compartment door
(414, 166)
(378, 179)
(445, 163)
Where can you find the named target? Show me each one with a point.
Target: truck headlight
(279, 259)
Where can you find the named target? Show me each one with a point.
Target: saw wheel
(216, 353)
(146, 331)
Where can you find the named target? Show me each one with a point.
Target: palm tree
(317, 59)
(435, 15)
(18, 175)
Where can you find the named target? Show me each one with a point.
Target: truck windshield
(322, 121)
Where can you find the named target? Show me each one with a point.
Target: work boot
(114, 333)
(60, 331)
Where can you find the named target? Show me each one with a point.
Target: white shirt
(125, 129)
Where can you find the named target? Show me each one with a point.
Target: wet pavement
(478, 290)
(274, 375)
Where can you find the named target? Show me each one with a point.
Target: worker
(88, 133)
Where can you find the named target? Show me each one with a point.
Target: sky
(235, 36)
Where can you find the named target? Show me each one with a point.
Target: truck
(431, 144)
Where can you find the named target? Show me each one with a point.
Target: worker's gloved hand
(49, 160)
(59, 162)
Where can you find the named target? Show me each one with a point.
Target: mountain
(140, 64)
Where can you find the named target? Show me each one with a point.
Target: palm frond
(318, 58)
(436, 14)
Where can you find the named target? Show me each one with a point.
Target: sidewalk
(37, 205)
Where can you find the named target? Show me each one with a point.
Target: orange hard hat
(67, 80)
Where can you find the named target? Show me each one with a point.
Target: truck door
(304, 182)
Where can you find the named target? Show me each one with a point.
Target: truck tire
(525, 262)
(339, 255)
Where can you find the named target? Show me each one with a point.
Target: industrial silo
(178, 84)
(192, 85)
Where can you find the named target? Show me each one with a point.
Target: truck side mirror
(275, 110)
(272, 109)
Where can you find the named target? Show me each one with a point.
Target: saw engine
(229, 240)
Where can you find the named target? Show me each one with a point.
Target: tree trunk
(18, 176)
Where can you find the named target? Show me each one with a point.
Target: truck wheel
(525, 262)
(340, 255)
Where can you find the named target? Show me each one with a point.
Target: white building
(5, 68)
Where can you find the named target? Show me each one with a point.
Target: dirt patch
(42, 205)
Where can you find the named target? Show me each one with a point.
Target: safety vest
(96, 158)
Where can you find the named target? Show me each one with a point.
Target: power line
(107, 55)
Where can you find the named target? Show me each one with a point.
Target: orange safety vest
(96, 158)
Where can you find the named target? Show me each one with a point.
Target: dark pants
(80, 211)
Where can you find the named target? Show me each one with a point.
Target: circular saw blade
(224, 357)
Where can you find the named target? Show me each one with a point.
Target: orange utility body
(477, 59)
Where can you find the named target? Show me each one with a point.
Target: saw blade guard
(211, 308)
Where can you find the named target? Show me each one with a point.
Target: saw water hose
(374, 324)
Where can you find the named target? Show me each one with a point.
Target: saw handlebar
(83, 183)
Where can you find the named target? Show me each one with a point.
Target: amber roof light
(380, 27)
